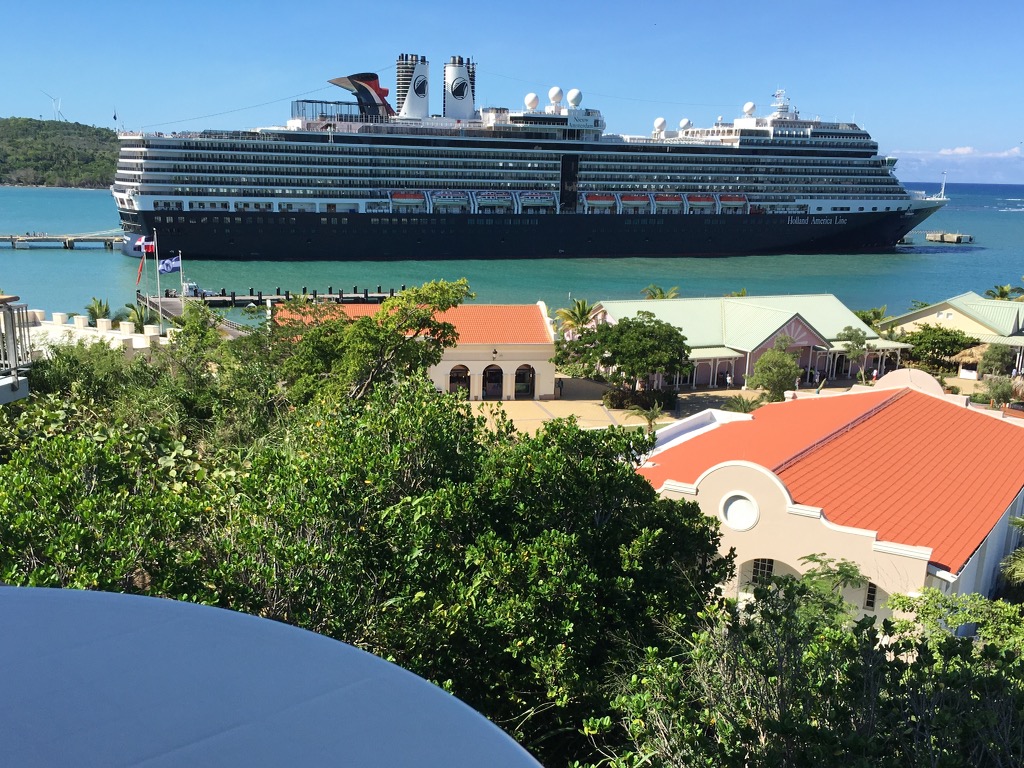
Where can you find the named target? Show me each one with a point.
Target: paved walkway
(581, 398)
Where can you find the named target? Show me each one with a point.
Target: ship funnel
(412, 85)
(371, 96)
(459, 88)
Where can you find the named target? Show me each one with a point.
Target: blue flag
(172, 264)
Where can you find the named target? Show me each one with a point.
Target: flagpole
(159, 294)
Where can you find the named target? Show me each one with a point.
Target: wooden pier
(109, 240)
(171, 304)
(226, 299)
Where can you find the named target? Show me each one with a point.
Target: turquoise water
(57, 280)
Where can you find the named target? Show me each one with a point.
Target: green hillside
(56, 154)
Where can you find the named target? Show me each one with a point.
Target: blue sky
(937, 84)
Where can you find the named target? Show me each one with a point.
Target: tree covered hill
(56, 154)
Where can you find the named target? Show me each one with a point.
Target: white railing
(15, 342)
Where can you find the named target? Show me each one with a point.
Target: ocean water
(57, 280)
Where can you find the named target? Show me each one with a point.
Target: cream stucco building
(991, 321)
(916, 489)
(504, 351)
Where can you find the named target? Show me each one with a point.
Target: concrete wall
(943, 316)
(63, 329)
(760, 520)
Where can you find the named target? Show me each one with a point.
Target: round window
(739, 512)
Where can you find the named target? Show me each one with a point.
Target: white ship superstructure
(357, 180)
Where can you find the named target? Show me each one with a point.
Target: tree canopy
(626, 352)
(517, 571)
(776, 370)
(933, 345)
(572, 320)
(56, 153)
(537, 577)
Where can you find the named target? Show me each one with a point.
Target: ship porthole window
(739, 511)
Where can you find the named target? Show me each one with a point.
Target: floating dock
(949, 237)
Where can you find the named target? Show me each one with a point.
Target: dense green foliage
(998, 389)
(519, 572)
(997, 360)
(571, 320)
(56, 154)
(871, 317)
(624, 353)
(539, 578)
(776, 370)
(933, 345)
(790, 679)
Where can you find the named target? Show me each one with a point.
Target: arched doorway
(458, 380)
(526, 378)
(494, 380)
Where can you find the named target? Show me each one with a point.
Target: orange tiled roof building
(915, 489)
(504, 350)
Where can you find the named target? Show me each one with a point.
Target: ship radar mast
(781, 106)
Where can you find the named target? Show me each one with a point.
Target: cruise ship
(361, 180)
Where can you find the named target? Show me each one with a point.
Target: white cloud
(964, 151)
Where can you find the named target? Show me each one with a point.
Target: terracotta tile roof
(484, 323)
(776, 433)
(918, 469)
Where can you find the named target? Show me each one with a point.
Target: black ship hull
(393, 237)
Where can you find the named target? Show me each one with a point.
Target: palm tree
(573, 319)
(1017, 383)
(1013, 563)
(650, 415)
(736, 294)
(653, 291)
(871, 317)
(99, 309)
(741, 404)
(1004, 292)
(140, 315)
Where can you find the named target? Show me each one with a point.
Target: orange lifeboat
(700, 199)
(599, 198)
(408, 198)
(634, 198)
(734, 199)
(668, 200)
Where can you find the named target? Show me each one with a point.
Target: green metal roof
(743, 322)
(1003, 318)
